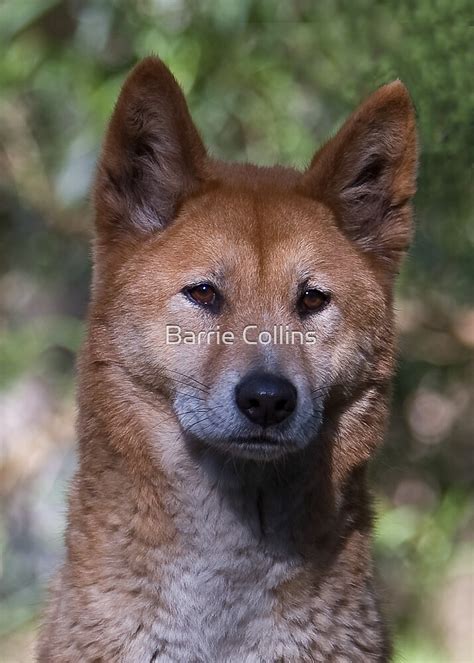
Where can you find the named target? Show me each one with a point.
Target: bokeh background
(266, 82)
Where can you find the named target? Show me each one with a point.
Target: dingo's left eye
(203, 294)
(313, 300)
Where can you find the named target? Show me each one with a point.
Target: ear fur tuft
(367, 174)
(152, 155)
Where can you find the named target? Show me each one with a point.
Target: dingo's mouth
(259, 447)
(252, 447)
(257, 440)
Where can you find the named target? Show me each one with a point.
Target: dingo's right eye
(203, 294)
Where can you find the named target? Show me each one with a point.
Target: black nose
(265, 399)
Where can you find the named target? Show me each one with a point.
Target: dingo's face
(258, 301)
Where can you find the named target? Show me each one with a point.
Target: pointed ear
(367, 174)
(152, 157)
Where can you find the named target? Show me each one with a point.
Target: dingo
(220, 510)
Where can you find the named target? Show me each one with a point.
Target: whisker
(196, 423)
(189, 386)
(320, 390)
(184, 414)
(190, 394)
(190, 377)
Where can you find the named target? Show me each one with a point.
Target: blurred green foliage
(266, 82)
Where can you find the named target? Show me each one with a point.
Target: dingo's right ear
(152, 156)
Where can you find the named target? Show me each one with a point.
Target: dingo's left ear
(367, 174)
(152, 156)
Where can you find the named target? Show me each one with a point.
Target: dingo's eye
(203, 294)
(313, 300)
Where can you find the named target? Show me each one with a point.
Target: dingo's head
(195, 258)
